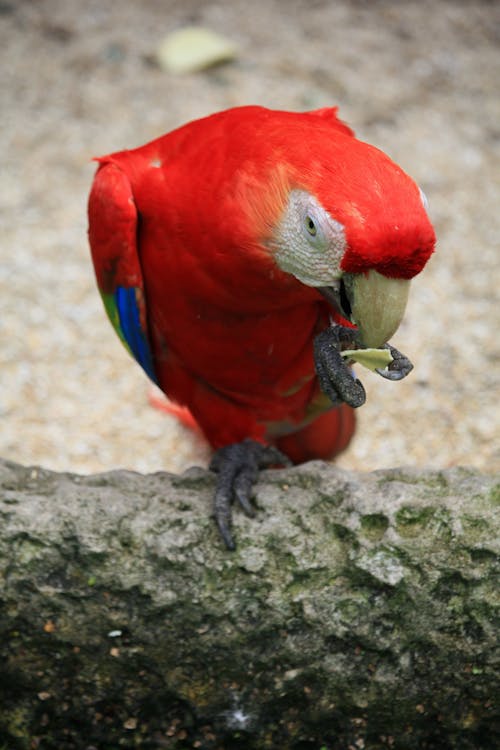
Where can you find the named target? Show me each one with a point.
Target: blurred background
(418, 79)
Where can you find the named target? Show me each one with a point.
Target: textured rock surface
(358, 611)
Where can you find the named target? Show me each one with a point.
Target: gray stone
(359, 610)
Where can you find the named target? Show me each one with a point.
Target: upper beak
(373, 302)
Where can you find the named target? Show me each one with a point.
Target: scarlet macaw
(237, 257)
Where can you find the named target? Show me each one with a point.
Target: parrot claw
(334, 376)
(398, 368)
(238, 466)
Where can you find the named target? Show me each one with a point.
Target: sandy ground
(418, 79)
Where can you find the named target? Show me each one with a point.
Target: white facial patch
(307, 242)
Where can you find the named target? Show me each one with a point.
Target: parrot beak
(373, 302)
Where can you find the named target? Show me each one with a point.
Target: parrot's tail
(161, 402)
(324, 438)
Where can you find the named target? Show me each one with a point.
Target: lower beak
(374, 303)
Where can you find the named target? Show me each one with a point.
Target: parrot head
(354, 226)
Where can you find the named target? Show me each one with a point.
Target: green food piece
(194, 48)
(373, 359)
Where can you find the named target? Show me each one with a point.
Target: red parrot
(237, 257)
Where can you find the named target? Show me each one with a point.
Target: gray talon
(237, 466)
(334, 375)
(398, 368)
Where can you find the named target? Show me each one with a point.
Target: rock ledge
(359, 610)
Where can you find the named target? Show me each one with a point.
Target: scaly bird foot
(334, 375)
(238, 466)
(398, 368)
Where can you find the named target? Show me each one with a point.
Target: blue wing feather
(131, 329)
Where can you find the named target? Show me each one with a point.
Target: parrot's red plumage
(213, 246)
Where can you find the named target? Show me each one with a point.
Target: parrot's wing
(113, 242)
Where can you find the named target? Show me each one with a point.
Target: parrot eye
(311, 226)
(314, 226)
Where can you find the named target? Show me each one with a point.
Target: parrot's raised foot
(238, 466)
(398, 368)
(335, 378)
